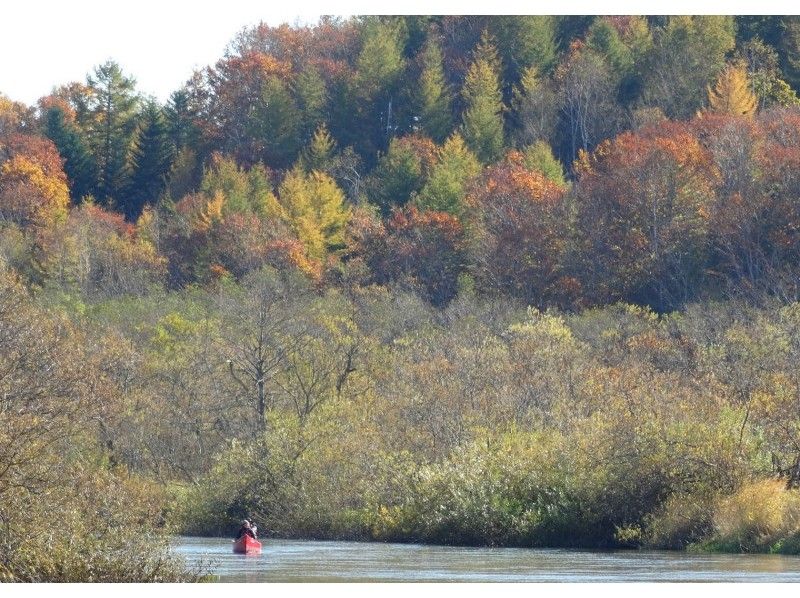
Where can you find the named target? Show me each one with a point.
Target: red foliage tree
(426, 249)
(644, 201)
(519, 225)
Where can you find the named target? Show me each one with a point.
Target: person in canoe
(246, 530)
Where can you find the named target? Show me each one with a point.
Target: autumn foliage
(467, 279)
(520, 226)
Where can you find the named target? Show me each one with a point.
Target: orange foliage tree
(755, 219)
(425, 249)
(643, 202)
(33, 186)
(519, 221)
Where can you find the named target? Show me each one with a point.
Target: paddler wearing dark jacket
(245, 530)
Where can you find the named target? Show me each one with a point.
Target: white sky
(158, 42)
(45, 43)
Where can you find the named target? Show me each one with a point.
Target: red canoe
(247, 545)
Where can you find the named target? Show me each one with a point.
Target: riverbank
(316, 561)
(761, 518)
(500, 496)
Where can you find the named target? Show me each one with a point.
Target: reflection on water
(310, 561)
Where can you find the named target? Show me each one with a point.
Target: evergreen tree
(380, 62)
(397, 176)
(277, 123)
(312, 98)
(789, 50)
(539, 157)
(483, 118)
(446, 188)
(151, 160)
(180, 120)
(604, 39)
(432, 96)
(761, 61)
(687, 54)
(378, 69)
(113, 116)
(79, 164)
(319, 153)
(525, 41)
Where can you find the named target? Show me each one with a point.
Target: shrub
(762, 516)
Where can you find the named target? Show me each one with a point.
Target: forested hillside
(509, 280)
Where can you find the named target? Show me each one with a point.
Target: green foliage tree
(761, 61)
(539, 157)
(446, 187)
(789, 50)
(151, 161)
(400, 174)
(319, 153)
(378, 69)
(524, 42)
(245, 191)
(79, 164)
(432, 97)
(180, 117)
(278, 123)
(112, 114)
(483, 118)
(380, 61)
(688, 54)
(604, 39)
(312, 97)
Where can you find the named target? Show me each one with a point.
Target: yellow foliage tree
(731, 93)
(315, 209)
(211, 212)
(28, 195)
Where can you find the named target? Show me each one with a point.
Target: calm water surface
(310, 561)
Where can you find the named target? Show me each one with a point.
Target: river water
(312, 561)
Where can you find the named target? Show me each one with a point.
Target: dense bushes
(68, 512)
(762, 516)
(614, 427)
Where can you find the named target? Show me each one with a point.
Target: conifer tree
(379, 67)
(312, 97)
(151, 160)
(245, 191)
(278, 123)
(483, 118)
(539, 157)
(112, 113)
(398, 175)
(447, 186)
(180, 117)
(604, 39)
(687, 53)
(319, 153)
(79, 164)
(534, 108)
(314, 207)
(525, 41)
(731, 93)
(432, 96)
(380, 61)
